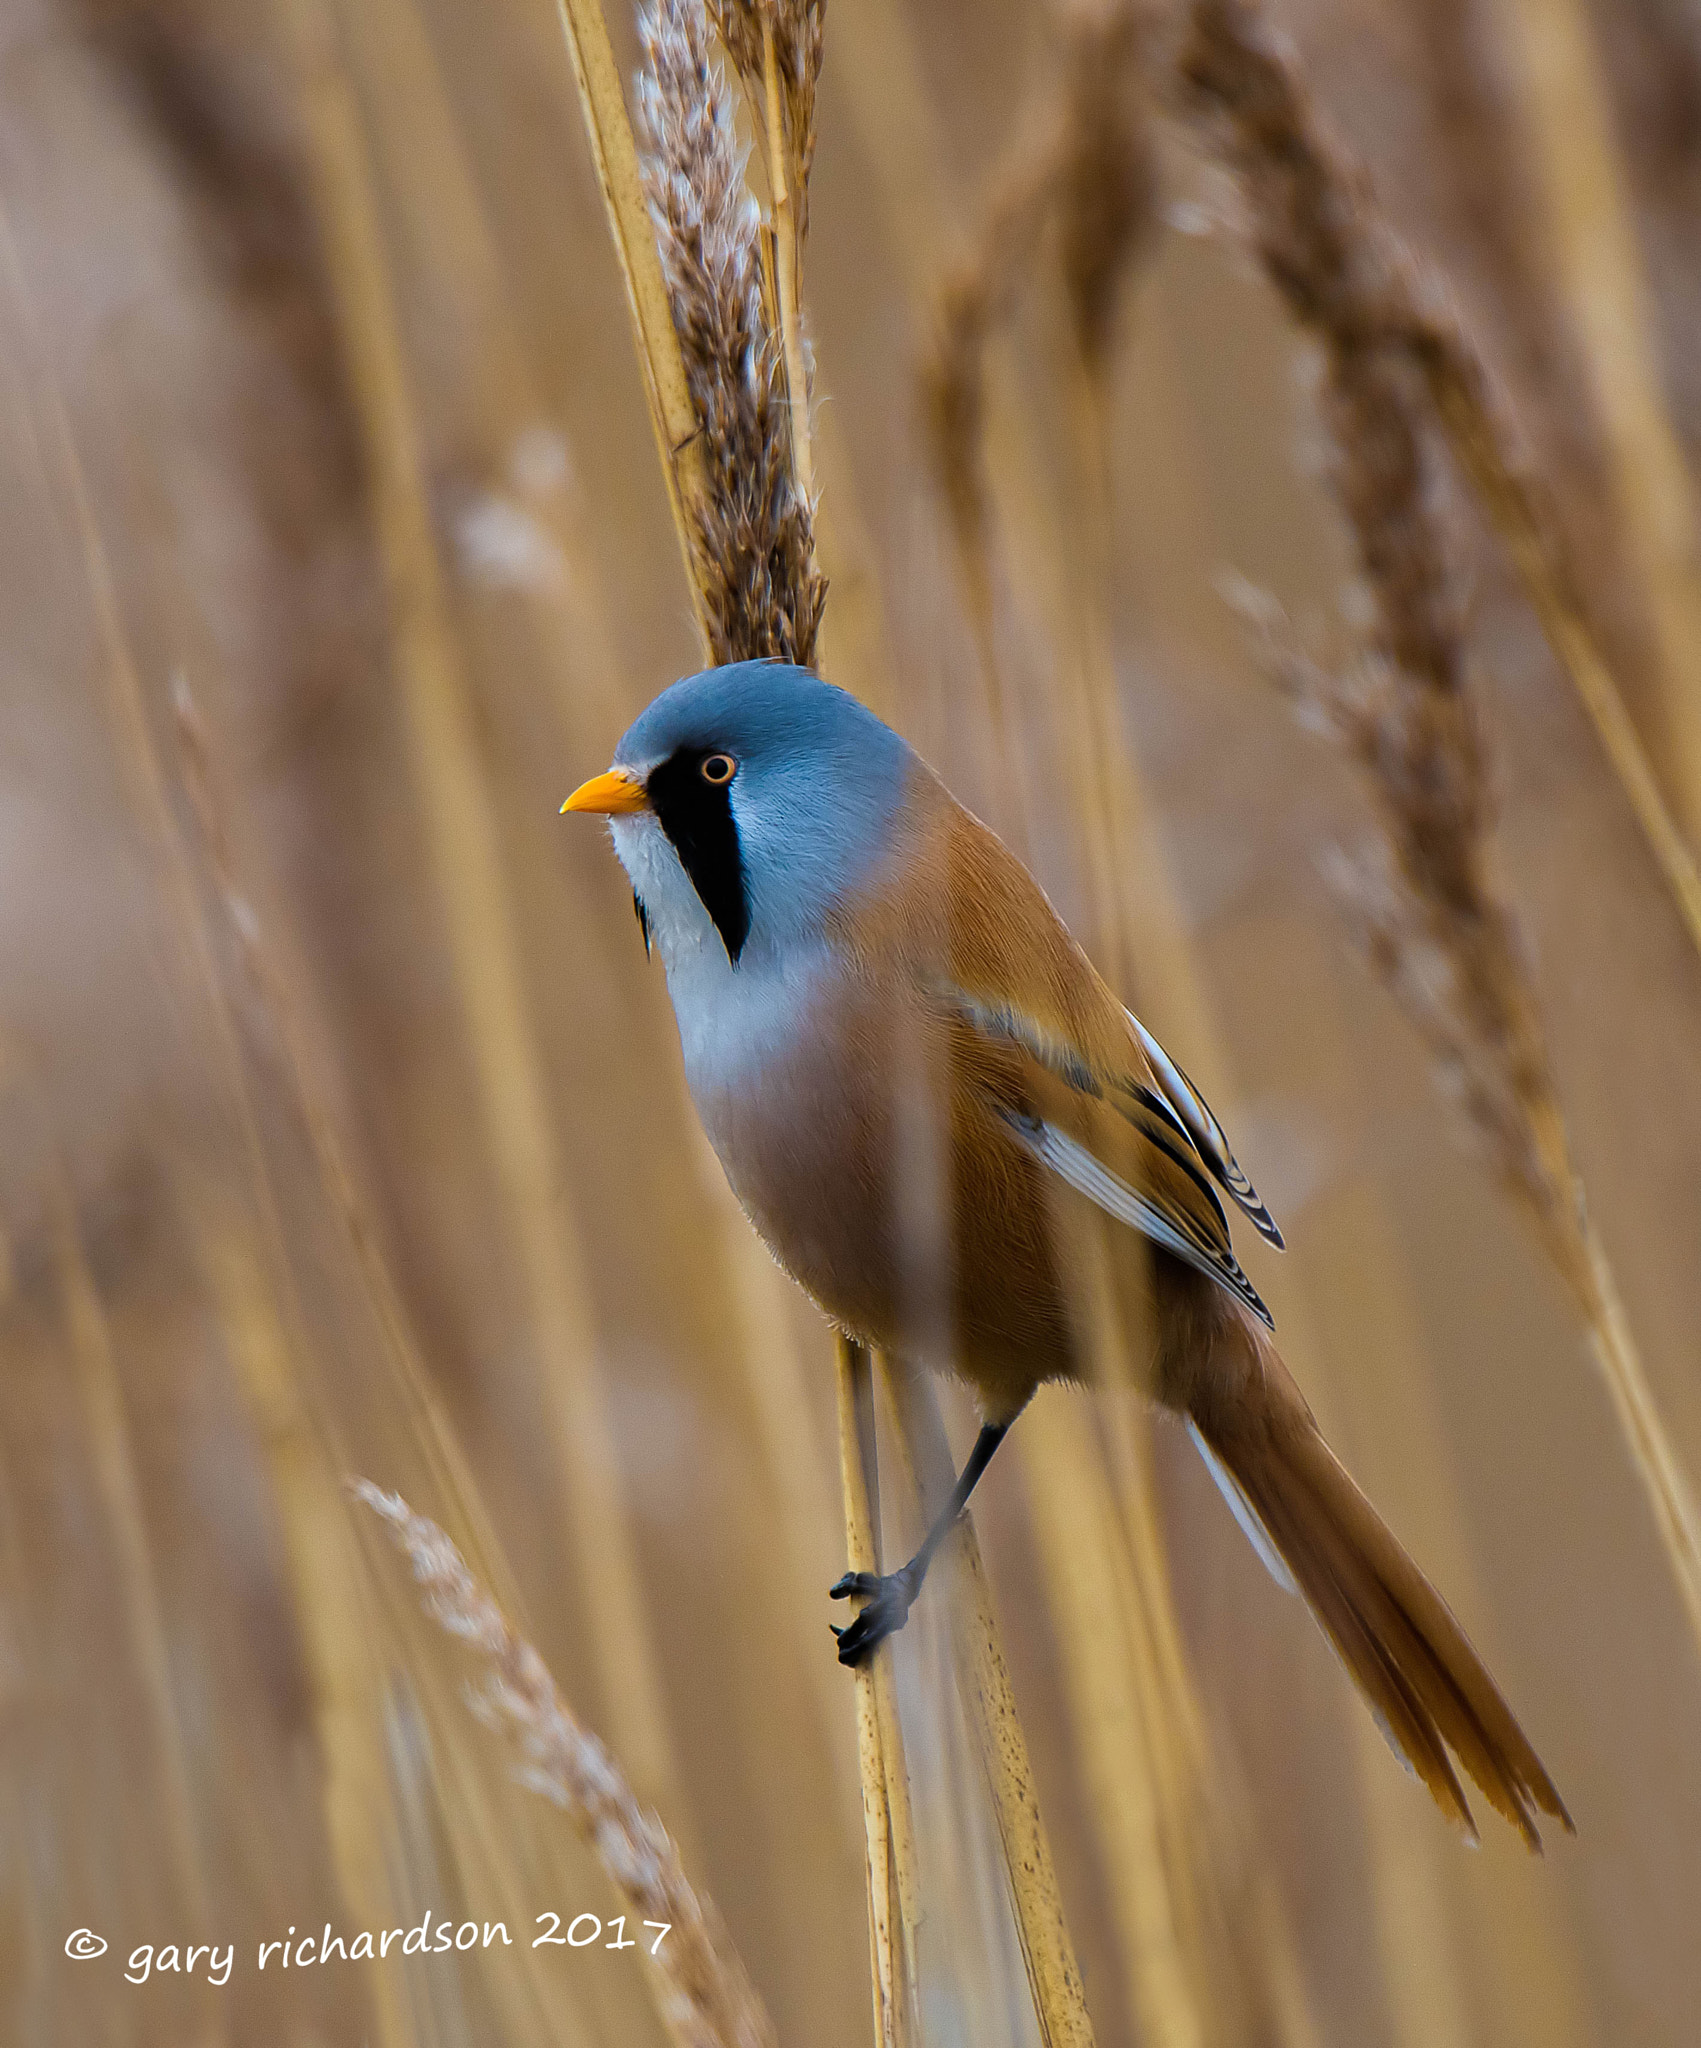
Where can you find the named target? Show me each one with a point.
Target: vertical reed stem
(1595, 252)
(102, 1398)
(890, 1938)
(1090, 1580)
(786, 257)
(1664, 1479)
(1047, 1950)
(673, 416)
(324, 1578)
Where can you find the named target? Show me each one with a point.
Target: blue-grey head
(748, 801)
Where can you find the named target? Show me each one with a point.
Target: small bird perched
(934, 1111)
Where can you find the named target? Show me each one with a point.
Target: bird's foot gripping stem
(890, 1597)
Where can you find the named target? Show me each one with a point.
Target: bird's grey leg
(891, 1595)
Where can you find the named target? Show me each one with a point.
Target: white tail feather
(1243, 1511)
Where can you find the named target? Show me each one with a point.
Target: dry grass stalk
(1595, 247)
(1082, 162)
(888, 1825)
(1054, 1976)
(322, 1569)
(1092, 1593)
(974, 299)
(753, 528)
(764, 596)
(101, 1393)
(263, 1319)
(789, 188)
(756, 564)
(1107, 220)
(778, 44)
(477, 911)
(415, 1397)
(673, 412)
(1346, 279)
(752, 558)
(704, 1996)
(1437, 926)
(1107, 181)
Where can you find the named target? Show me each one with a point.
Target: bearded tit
(933, 1110)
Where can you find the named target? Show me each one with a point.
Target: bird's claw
(854, 1585)
(889, 1599)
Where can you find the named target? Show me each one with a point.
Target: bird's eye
(719, 769)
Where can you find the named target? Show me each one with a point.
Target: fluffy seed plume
(701, 1989)
(797, 27)
(1437, 927)
(1347, 278)
(754, 535)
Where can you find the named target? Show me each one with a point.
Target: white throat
(731, 1018)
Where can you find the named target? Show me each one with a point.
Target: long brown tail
(1395, 1634)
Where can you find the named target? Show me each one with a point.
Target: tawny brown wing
(1110, 1140)
(1013, 960)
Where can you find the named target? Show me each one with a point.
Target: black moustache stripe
(697, 817)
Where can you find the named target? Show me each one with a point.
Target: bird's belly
(918, 1236)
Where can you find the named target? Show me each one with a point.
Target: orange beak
(613, 791)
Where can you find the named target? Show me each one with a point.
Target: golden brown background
(221, 1715)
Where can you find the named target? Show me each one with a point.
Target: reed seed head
(755, 532)
(705, 1996)
(1425, 902)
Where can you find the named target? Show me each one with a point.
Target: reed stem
(888, 1828)
(1667, 1485)
(107, 1426)
(780, 186)
(673, 413)
(1054, 1976)
(1088, 1574)
(1595, 254)
(322, 1572)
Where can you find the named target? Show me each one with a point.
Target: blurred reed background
(341, 1124)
